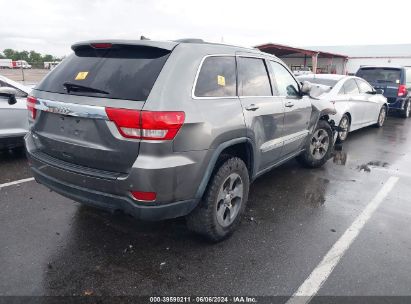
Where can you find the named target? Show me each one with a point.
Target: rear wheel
(218, 214)
(407, 110)
(319, 146)
(344, 124)
(381, 117)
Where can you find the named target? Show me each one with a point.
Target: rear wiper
(77, 87)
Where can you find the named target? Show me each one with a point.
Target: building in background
(298, 59)
(339, 59)
(379, 55)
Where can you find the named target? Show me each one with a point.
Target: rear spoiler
(165, 45)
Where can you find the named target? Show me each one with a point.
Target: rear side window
(350, 87)
(380, 75)
(123, 72)
(217, 77)
(364, 87)
(252, 77)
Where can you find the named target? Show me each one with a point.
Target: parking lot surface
(54, 246)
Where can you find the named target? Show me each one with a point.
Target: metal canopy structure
(280, 50)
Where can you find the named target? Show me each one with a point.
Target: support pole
(314, 59)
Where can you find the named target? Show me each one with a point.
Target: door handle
(289, 104)
(251, 107)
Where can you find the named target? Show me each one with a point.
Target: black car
(395, 83)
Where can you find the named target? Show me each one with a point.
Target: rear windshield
(380, 75)
(120, 72)
(322, 81)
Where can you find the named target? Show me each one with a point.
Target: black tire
(311, 159)
(340, 137)
(205, 219)
(381, 117)
(407, 109)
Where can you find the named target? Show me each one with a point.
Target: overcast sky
(49, 26)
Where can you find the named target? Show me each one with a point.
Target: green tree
(35, 57)
(48, 57)
(9, 53)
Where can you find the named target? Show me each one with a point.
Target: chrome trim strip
(281, 141)
(71, 109)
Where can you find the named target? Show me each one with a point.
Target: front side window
(350, 87)
(253, 77)
(286, 84)
(364, 87)
(217, 77)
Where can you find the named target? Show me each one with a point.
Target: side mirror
(9, 94)
(379, 91)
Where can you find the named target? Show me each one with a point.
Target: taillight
(402, 90)
(148, 125)
(144, 196)
(161, 125)
(31, 103)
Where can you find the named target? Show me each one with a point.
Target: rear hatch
(385, 78)
(71, 125)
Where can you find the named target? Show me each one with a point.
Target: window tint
(350, 87)
(286, 84)
(380, 75)
(364, 87)
(125, 72)
(253, 77)
(217, 77)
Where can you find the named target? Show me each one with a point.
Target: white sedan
(13, 113)
(357, 103)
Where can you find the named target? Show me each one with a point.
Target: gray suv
(174, 128)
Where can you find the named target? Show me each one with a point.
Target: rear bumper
(113, 203)
(175, 183)
(397, 104)
(11, 142)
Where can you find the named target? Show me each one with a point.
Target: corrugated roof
(378, 50)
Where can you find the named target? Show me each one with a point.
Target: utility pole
(22, 70)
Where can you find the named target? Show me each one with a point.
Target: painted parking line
(20, 181)
(320, 274)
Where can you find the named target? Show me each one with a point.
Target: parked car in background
(49, 65)
(357, 103)
(6, 64)
(13, 113)
(302, 71)
(166, 129)
(395, 83)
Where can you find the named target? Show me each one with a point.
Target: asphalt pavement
(51, 245)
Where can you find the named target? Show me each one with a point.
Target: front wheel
(345, 126)
(218, 214)
(381, 117)
(318, 147)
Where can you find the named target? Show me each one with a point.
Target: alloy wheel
(344, 124)
(319, 144)
(229, 199)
